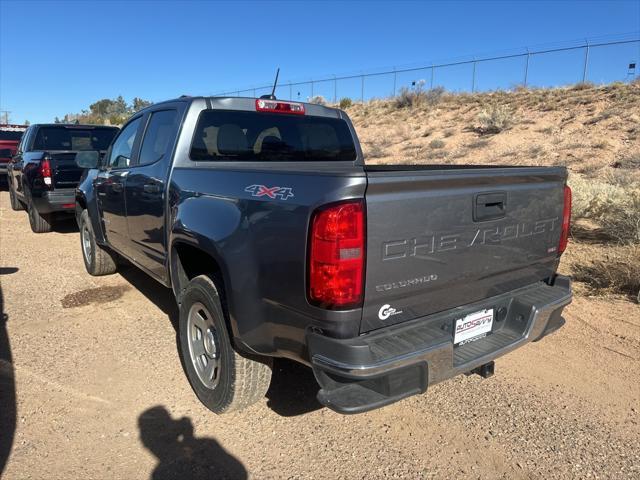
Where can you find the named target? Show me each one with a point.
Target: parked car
(278, 241)
(43, 174)
(10, 136)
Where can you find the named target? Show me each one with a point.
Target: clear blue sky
(58, 57)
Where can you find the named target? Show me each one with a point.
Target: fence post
(526, 68)
(431, 77)
(473, 81)
(586, 62)
(395, 78)
(362, 89)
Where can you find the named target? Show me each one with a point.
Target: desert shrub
(535, 151)
(318, 100)
(480, 143)
(618, 272)
(436, 143)
(345, 103)
(616, 208)
(434, 95)
(632, 161)
(408, 98)
(418, 96)
(495, 119)
(374, 150)
(583, 86)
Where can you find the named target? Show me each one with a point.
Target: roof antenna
(273, 91)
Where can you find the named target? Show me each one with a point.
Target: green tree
(140, 103)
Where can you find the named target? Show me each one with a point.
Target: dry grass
(617, 271)
(592, 130)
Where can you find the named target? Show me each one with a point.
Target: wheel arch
(187, 261)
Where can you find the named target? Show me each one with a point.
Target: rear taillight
(278, 106)
(336, 256)
(45, 170)
(566, 220)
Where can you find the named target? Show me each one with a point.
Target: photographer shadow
(180, 454)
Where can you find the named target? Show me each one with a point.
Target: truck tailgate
(441, 238)
(66, 173)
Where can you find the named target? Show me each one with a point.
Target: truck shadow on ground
(8, 407)
(66, 225)
(182, 455)
(293, 387)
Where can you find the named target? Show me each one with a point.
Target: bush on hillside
(318, 100)
(495, 119)
(616, 208)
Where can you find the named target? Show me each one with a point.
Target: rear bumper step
(59, 200)
(382, 367)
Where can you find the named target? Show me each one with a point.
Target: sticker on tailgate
(473, 327)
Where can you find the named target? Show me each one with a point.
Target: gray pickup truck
(278, 241)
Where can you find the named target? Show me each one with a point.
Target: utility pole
(6, 115)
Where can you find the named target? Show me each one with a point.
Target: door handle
(151, 188)
(489, 206)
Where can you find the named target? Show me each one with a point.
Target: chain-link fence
(587, 61)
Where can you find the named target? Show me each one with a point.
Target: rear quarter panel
(260, 243)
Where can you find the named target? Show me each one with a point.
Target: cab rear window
(73, 138)
(223, 135)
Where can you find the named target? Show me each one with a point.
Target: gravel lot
(100, 393)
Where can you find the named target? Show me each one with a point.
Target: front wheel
(222, 379)
(97, 260)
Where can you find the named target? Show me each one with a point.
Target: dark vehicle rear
(44, 174)
(278, 241)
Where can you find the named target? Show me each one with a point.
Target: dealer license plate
(473, 327)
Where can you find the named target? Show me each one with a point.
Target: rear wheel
(97, 260)
(16, 204)
(222, 379)
(39, 223)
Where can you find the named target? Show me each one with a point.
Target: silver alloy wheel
(203, 345)
(86, 243)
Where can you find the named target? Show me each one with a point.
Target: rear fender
(191, 228)
(86, 199)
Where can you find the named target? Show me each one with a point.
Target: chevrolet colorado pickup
(278, 241)
(43, 174)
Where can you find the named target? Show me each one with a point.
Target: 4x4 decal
(283, 193)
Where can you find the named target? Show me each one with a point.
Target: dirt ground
(100, 393)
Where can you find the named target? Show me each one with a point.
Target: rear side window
(11, 135)
(73, 138)
(160, 133)
(256, 136)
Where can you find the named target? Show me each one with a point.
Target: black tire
(239, 381)
(39, 223)
(97, 260)
(16, 205)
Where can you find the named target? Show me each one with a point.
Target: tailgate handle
(489, 206)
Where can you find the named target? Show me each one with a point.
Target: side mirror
(88, 159)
